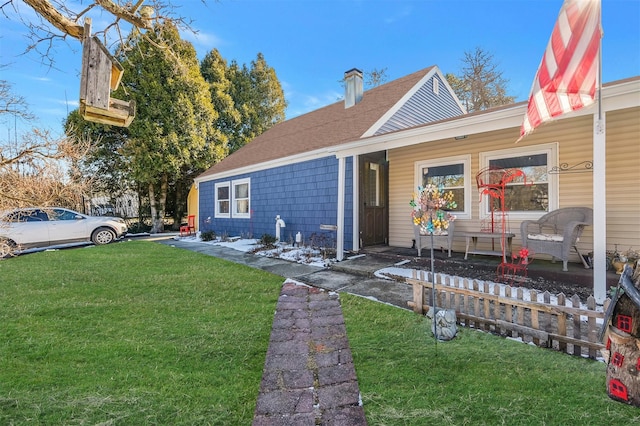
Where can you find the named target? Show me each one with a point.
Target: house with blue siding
(296, 170)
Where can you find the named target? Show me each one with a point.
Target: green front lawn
(132, 333)
(141, 333)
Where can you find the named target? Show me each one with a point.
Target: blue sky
(311, 43)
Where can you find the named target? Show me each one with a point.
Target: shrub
(138, 228)
(207, 235)
(267, 240)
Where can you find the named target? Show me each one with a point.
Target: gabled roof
(332, 125)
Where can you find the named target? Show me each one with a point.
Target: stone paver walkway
(308, 377)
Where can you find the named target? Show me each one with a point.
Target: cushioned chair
(557, 232)
(439, 241)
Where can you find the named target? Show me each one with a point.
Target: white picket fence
(558, 322)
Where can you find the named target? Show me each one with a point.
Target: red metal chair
(190, 227)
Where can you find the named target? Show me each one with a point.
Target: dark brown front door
(374, 214)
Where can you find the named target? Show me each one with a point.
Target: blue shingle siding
(305, 195)
(423, 107)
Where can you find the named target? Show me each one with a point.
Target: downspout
(340, 231)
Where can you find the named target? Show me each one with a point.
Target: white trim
(447, 129)
(234, 198)
(615, 97)
(342, 163)
(599, 208)
(355, 195)
(619, 96)
(445, 161)
(551, 149)
(403, 100)
(435, 71)
(376, 167)
(285, 161)
(450, 90)
(217, 213)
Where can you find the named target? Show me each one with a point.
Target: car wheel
(7, 248)
(102, 236)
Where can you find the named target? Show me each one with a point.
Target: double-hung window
(450, 174)
(528, 196)
(223, 199)
(233, 199)
(241, 200)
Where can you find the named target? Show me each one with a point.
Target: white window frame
(447, 161)
(234, 204)
(551, 149)
(376, 168)
(219, 214)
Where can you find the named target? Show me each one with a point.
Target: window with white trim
(532, 195)
(241, 198)
(233, 199)
(223, 199)
(452, 174)
(373, 194)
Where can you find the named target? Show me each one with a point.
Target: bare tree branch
(11, 103)
(56, 20)
(40, 172)
(51, 14)
(128, 15)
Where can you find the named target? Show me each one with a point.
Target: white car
(27, 228)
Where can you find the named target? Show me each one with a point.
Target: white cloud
(72, 103)
(202, 39)
(399, 15)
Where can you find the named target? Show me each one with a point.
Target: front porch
(542, 274)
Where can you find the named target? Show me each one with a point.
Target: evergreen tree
(259, 99)
(173, 135)
(214, 70)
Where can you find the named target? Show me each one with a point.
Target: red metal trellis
(492, 181)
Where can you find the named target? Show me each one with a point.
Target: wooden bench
(472, 237)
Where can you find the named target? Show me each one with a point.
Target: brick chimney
(352, 87)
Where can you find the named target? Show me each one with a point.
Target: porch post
(342, 162)
(599, 208)
(356, 202)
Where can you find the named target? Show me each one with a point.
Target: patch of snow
(245, 245)
(313, 257)
(304, 255)
(289, 280)
(357, 256)
(389, 273)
